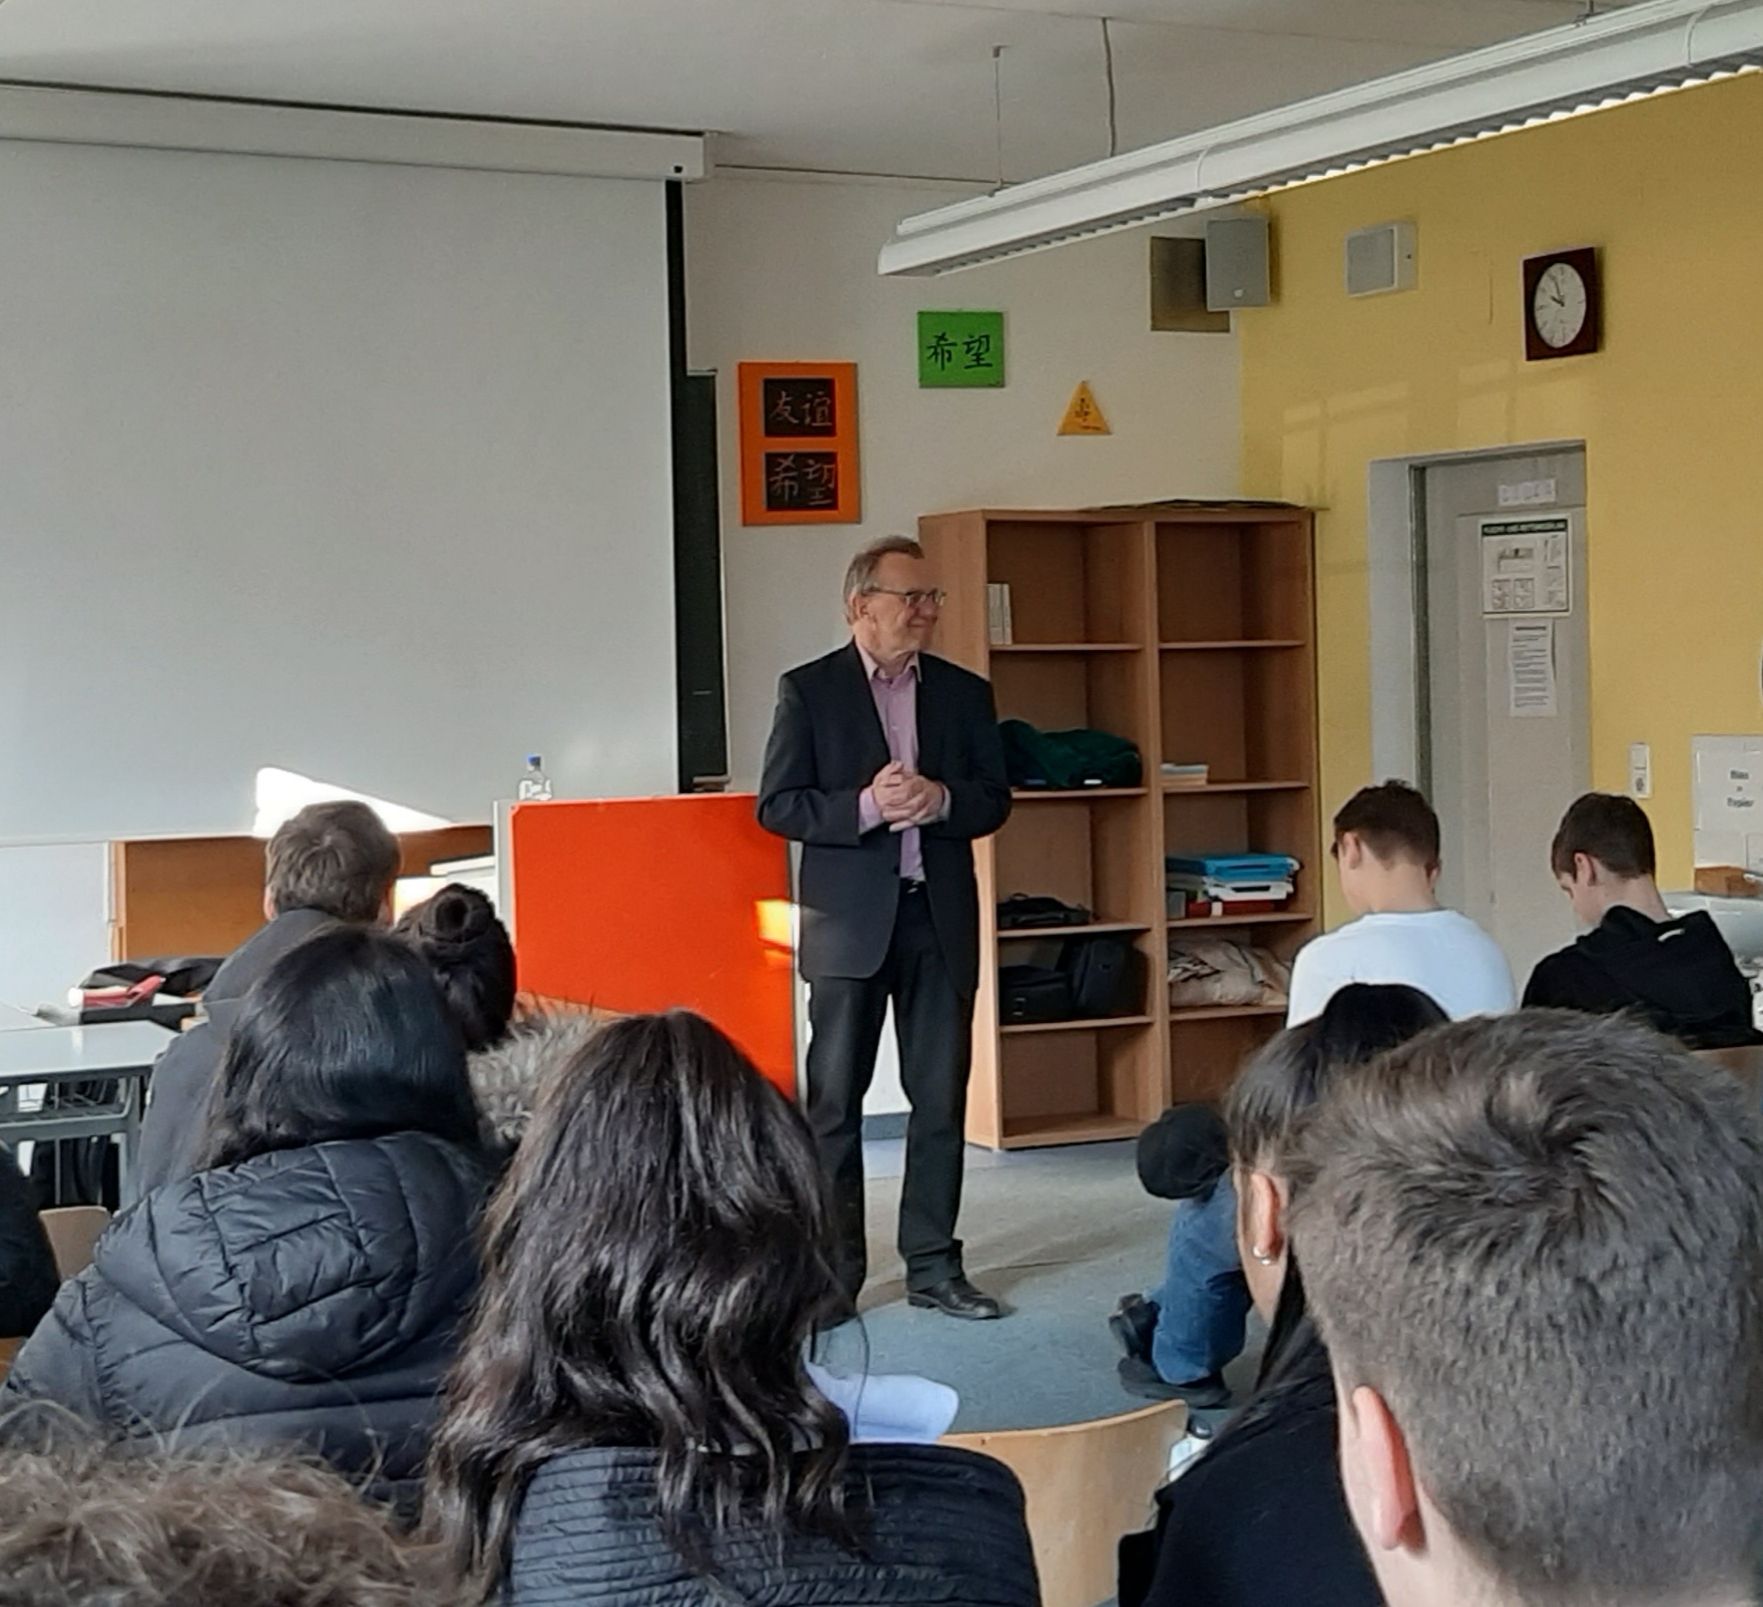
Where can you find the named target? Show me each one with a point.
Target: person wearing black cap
(1183, 1156)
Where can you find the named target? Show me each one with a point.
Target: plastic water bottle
(535, 785)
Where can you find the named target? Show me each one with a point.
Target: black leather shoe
(1133, 1326)
(956, 1297)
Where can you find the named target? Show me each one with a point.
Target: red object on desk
(637, 904)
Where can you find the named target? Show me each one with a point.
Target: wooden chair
(8, 1349)
(73, 1230)
(1087, 1484)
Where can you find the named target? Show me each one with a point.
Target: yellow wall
(1671, 191)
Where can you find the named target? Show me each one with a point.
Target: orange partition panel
(633, 904)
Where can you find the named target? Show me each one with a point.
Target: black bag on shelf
(1028, 911)
(1033, 993)
(1106, 973)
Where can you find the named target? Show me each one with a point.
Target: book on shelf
(998, 621)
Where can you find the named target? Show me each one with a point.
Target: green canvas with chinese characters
(960, 349)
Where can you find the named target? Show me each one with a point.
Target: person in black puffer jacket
(632, 1418)
(27, 1266)
(307, 1287)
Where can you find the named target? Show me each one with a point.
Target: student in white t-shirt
(1386, 845)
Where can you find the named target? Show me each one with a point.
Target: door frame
(1395, 544)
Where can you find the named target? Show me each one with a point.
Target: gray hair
(1539, 1238)
(860, 576)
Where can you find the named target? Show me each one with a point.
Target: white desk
(123, 1052)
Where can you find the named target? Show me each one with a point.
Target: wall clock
(1561, 304)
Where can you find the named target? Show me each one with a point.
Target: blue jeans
(1203, 1300)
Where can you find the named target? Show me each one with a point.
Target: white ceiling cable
(1603, 59)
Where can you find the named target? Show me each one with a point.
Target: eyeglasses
(935, 596)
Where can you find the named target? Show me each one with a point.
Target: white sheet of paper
(1530, 667)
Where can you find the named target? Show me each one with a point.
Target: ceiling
(903, 87)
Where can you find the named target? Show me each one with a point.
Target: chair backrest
(8, 1349)
(1087, 1484)
(73, 1230)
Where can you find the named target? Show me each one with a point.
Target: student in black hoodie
(1677, 974)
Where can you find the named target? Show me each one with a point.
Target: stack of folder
(1228, 884)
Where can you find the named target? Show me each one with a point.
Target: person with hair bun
(468, 948)
(634, 1418)
(307, 1286)
(1260, 1518)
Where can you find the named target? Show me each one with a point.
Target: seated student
(331, 862)
(1531, 1247)
(28, 1279)
(84, 1524)
(1678, 974)
(307, 1286)
(1260, 1517)
(633, 1418)
(468, 948)
(1386, 849)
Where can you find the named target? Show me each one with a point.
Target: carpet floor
(1058, 1235)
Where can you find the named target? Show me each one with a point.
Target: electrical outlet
(1640, 770)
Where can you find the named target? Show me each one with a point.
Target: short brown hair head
(860, 575)
(1539, 1238)
(1394, 821)
(338, 858)
(1608, 827)
(89, 1525)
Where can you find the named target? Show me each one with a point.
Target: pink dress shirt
(896, 703)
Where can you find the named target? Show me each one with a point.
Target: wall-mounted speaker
(1380, 259)
(1236, 264)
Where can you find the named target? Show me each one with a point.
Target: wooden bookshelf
(1189, 630)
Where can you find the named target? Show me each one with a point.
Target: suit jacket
(826, 746)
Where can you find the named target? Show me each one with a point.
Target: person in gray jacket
(633, 1417)
(330, 862)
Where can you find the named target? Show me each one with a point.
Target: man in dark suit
(885, 764)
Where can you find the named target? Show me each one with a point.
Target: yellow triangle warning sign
(1082, 415)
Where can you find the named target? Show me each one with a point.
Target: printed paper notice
(1524, 566)
(1530, 667)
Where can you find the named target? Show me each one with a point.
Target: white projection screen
(357, 471)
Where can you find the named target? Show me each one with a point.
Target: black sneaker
(1142, 1379)
(1133, 1324)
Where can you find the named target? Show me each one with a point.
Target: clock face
(1559, 305)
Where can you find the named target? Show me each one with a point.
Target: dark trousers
(934, 1024)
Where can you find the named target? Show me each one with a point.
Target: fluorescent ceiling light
(1601, 61)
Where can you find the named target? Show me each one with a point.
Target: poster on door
(1525, 566)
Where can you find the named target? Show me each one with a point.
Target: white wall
(784, 269)
(54, 919)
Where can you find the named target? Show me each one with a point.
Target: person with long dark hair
(308, 1284)
(632, 1416)
(1260, 1519)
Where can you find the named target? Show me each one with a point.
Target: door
(1504, 740)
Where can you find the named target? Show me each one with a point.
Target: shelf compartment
(1094, 1078)
(1207, 1049)
(1094, 849)
(1241, 644)
(1202, 923)
(1177, 790)
(1087, 1024)
(1032, 1132)
(1065, 647)
(1063, 690)
(1218, 820)
(1052, 934)
(1241, 579)
(1241, 712)
(1071, 581)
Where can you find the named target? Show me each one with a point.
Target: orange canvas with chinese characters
(798, 443)
(636, 904)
